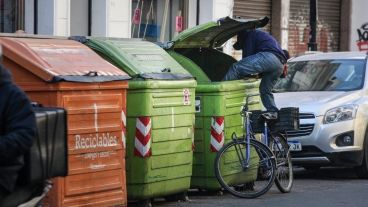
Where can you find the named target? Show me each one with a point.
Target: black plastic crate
(256, 123)
(288, 119)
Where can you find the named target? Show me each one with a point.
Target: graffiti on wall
(362, 41)
(299, 37)
(299, 32)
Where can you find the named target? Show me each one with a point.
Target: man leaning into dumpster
(262, 55)
(17, 130)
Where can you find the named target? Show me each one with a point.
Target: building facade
(342, 24)
(359, 26)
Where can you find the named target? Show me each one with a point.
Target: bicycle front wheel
(284, 169)
(242, 179)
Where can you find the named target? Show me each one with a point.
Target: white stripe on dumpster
(123, 130)
(123, 139)
(216, 145)
(123, 118)
(143, 149)
(142, 141)
(142, 128)
(218, 128)
(217, 133)
(96, 117)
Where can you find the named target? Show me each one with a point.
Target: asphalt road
(323, 188)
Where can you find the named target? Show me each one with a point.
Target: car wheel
(362, 170)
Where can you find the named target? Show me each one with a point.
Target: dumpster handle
(166, 70)
(91, 74)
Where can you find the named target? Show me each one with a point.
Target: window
(323, 75)
(11, 15)
(151, 21)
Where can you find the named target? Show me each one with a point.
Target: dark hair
(287, 55)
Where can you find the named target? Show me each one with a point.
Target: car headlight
(341, 113)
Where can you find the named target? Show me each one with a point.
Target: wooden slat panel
(89, 103)
(94, 123)
(93, 182)
(95, 161)
(101, 199)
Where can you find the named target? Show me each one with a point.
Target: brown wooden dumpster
(65, 73)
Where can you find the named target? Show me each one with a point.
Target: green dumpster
(218, 103)
(160, 117)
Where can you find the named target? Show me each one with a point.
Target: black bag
(47, 157)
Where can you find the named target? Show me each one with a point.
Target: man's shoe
(270, 115)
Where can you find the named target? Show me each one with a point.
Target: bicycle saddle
(268, 116)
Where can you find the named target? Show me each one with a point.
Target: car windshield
(323, 75)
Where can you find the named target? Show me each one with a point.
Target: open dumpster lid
(60, 60)
(138, 58)
(214, 34)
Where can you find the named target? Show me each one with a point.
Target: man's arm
(20, 126)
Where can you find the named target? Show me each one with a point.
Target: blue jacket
(254, 41)
(17, 130)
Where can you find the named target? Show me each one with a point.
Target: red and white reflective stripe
(217, 133)
(142, 141)
(123, 128)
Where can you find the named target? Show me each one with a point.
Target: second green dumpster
(160, 117)
(218, 103)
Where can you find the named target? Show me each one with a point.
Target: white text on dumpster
(92, 141)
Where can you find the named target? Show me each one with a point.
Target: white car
(331, 91)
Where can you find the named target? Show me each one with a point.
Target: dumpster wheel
(183, 196)
(144, 203)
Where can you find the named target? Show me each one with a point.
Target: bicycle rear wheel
(245, 182)
(284, 169)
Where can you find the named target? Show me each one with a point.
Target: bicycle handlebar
(247, 100)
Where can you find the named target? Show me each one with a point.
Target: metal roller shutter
(328, 32)
(298, 27)
(253, 9)
(329, 23)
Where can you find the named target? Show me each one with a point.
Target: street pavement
(333, 187)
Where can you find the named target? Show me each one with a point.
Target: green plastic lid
(190, 66)
(214, 34)
(139, 58)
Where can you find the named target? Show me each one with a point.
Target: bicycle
(245, 167)
(276, 140)
(272, 157)
(284, 174)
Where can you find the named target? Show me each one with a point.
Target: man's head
(287, 55)
(239, 40)
(240, 36)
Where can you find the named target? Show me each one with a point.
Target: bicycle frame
(248, 132)
(248, 145)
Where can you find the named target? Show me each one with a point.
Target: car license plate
(295, 146)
